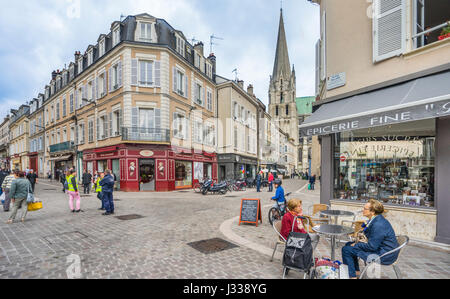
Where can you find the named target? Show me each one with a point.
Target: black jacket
(87, 178)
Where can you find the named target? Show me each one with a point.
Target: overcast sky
(39, 36)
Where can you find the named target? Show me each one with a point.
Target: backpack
(298, 253)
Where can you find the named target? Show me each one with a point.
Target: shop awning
(423, 98)
(62, 158)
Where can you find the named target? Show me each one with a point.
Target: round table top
(334, 213)
(333, 230)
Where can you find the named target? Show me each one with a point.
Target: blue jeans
(270, 187)
(108, 202)
(350, 257)
(258, 186)
(312, 186)
(99, 196)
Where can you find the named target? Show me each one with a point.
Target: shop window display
(183, 174)
(392, 164)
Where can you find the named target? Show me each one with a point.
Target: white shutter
(110, 79)
(96, 95)
(119, 75)
(111, 124)
(389, 29)
(323, 47)
(105, 84)
(175, 89)
(318, 59)
(157, 74)
(134, 70)
(98, 128)
(186, 88)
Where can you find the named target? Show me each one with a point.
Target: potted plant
(445, 33)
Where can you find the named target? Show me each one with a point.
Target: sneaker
(78, 211)
(73, 211)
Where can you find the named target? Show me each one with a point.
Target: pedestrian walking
(312, 181)
(62, 179)
(33, 178)
(74, 193)
(19, 193)
(271, 178)
(107, 184)
(258, 182)
(3, 175)
(87, 179)
(6, 186)
(98, 189)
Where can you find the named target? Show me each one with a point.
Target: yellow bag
(35, 206)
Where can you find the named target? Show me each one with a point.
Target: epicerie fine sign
(381, 119)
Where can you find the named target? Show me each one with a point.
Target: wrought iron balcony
(145, 134)
(62, 147)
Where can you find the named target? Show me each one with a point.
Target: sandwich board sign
(250, 211)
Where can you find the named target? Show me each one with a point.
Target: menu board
(250, 211)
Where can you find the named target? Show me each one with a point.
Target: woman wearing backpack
(18, 193)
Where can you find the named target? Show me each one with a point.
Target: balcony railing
(62, 147)
(145, 134)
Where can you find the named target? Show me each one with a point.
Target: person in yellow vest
(98, 189)
(74, 193)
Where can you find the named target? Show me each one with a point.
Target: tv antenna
(194, 41)
(211, 42)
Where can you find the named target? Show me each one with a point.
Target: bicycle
(277, 212)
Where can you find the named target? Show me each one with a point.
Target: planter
(442, 37)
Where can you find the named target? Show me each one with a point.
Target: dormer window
(80, 65)
(71, 73)
(181, 46)
(209, 70)
(90, 57)
(116, 36)
(146, 32)
(101, 48)
(197, 60)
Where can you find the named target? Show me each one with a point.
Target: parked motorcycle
(209, 186)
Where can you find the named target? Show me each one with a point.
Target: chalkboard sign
(250, 211)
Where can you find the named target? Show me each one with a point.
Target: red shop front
(152, 167)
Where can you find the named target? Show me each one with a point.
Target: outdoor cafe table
(336, 214)
(333, 231)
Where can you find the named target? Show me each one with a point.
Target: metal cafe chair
(403, 241)
(280, 240)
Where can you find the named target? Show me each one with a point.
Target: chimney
(241, 83)
(250, 89)
(54, 75)
(199, 46)
(77, 56)
(212, 58)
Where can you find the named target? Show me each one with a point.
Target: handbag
(35, 206)
(30, 196)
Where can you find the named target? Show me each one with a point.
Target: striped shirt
(7, 182)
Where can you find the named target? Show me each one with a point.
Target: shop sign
(337, 80)
(146, 153)
(425, 111)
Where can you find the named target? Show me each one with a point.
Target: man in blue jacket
(279, 196)
(381, 239)
(107, 184)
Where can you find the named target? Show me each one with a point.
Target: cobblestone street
(156, 246)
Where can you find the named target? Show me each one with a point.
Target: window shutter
(389, 29)
(110, 79)
(98, 128)
(76, 135)
(106, 126)
(110, 125)
(157, 74)
(119, 75)
(84, 90)
(175, 89)
(318, 67)
(134, 119)
(158, 118)
(134, 70)
(105, 83)
(186, 82)
(96, 95)
(120, 121)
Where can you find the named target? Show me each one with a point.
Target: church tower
(282, 90)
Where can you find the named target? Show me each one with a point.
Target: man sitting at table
(381, 239)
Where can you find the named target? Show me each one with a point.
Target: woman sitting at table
(295, 209)
(381, 239)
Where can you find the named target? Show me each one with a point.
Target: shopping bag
(309, 186)
(2, 198)
(35, 206)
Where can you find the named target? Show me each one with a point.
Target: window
(90, 91)
(428, 15)
(57, 110)
(235, 138)
(71, 73)
(115, 76)
(72, 134)
(276, 111)
(181, 46)
(146, 32)
(101, 48)
(116, 123)
(199, 94)
(287, 110)
(80, 65)
(146, 118)
(235, 110)
(81, 133)
(90, 57)
(197, 60)
(209, 103)
(242, 115)
(179, 125)
(116, 36)
(198, 131)
(64, 135)
(102, 127)
(180, 82)
(209, 70)
(146, 73)
(209, 135)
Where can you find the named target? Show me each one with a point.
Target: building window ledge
(428, 48)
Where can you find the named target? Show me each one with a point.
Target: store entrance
(146, 175)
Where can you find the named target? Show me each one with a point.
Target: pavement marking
(302, 188)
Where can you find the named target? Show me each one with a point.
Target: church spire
(282, 65)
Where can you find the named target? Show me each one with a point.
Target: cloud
(48, 32)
